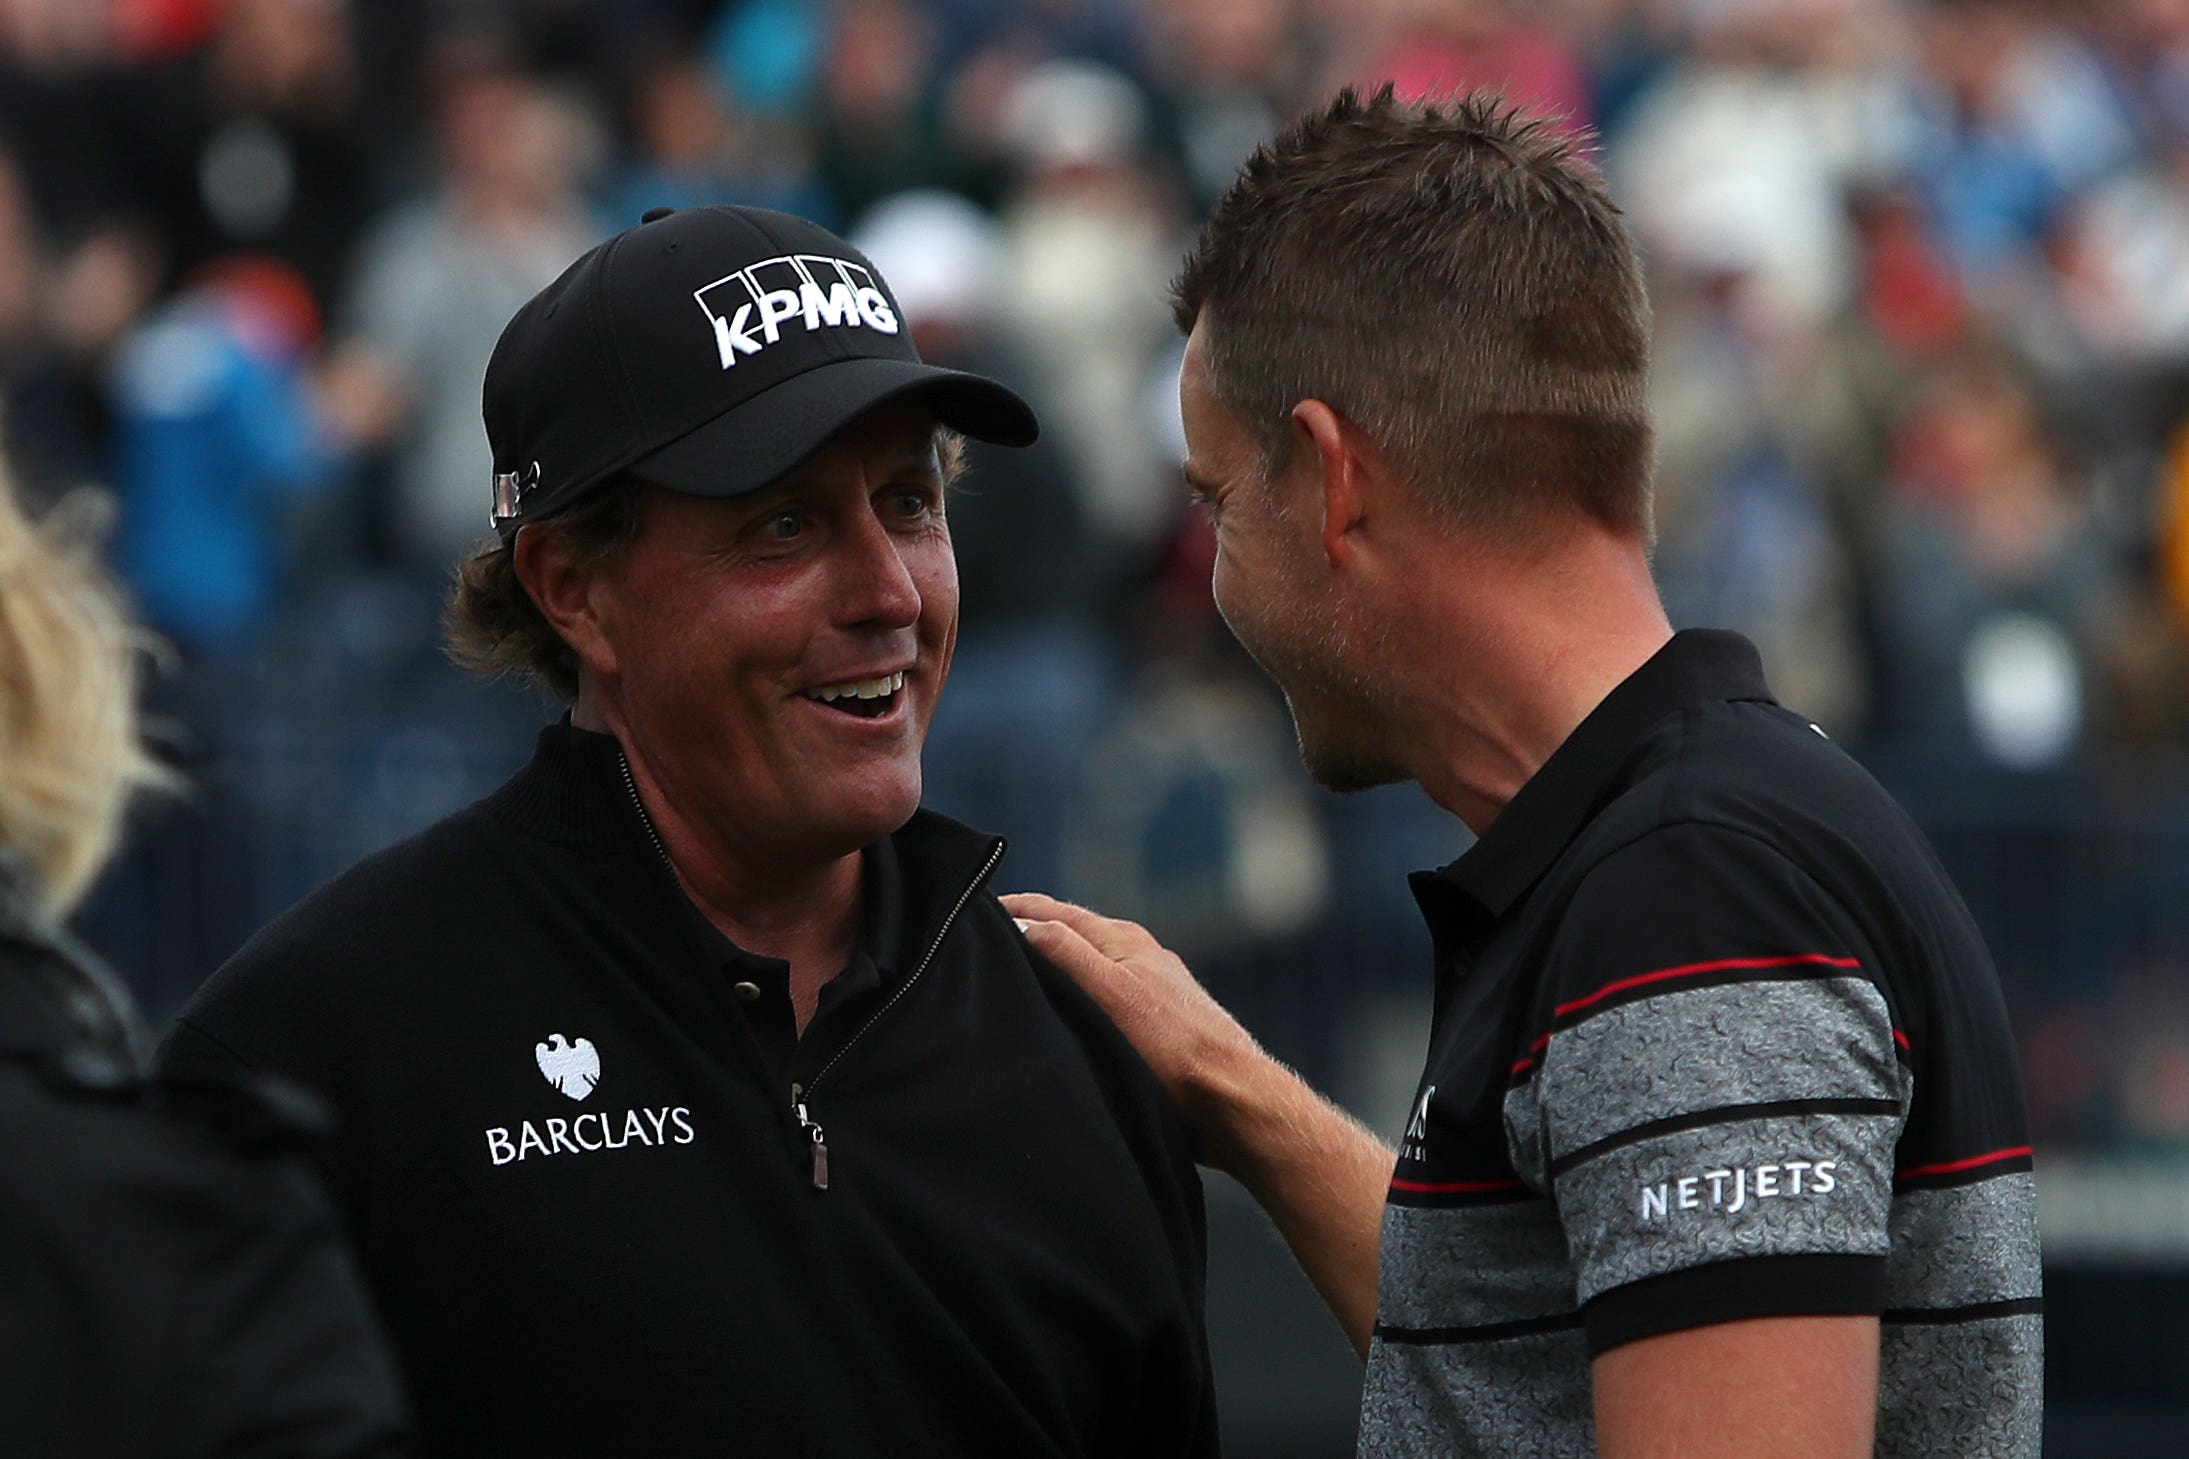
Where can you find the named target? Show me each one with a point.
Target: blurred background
(1921, 280)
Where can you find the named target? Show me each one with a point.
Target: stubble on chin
(1344, 769)
(1340, 722)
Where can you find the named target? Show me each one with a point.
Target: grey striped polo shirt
(1714, 1039)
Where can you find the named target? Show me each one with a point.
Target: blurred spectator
(768, 52)
(2125, 285)
(59, 104)
(691, 145)
(1907, 315)
(1231, 72)
(438, 276)
(2010, 116)
(56, 315)
(218, 429)
(1090, 240)
(1745, 537)
(880, 124)
(1442, 48)
(1996, 584)
(252, 141)
(2144, 45)
(1738, 157)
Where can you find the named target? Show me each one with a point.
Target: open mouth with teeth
(864, 698)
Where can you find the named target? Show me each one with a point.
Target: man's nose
(878, 587)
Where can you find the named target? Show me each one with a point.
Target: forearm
(1319, 1174)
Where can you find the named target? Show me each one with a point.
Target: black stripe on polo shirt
(1809, 1285)
(1723, 1115)
(1710, 973)
(1973, 1312)
(1967, 1170)
(1486, 1332)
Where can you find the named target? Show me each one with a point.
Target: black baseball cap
(708, 350)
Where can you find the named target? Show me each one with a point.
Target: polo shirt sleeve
(1712, 1090)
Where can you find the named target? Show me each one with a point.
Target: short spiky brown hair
(1454, 280)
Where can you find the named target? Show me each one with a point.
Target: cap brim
(761, 439)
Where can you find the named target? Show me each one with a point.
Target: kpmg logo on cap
(751, 308)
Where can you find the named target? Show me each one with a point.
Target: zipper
(802, 1097)
(812, 1128)
(630, 783)
(801, 1094)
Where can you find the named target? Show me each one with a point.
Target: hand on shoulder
(1199, 1052)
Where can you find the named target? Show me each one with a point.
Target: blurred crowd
(1920, 274)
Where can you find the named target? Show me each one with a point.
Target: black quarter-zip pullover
(605, 1210)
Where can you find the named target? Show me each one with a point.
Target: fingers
(1066, 948)
(1113, 984)
(1037, 905)
(1109, 935)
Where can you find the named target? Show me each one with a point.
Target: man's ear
(567, 589)
(1341, 463)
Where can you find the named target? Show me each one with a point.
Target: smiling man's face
(776, 656)
(1269, 592)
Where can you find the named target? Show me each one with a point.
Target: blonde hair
(70, 754)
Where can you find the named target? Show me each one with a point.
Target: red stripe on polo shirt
(1950, 1167)
(1452, 1187)
(1720, 965)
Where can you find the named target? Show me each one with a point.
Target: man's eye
(913, 504)
(784, 526)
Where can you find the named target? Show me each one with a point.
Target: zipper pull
(820, 1146)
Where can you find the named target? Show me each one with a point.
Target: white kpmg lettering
(875, 310)
(836, 308)
(1735, 1189)
(599, 1130)
(730, 338)
(777, 305)
(750, 309)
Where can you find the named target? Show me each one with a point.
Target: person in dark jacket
(172, 1282)
(696, 1095)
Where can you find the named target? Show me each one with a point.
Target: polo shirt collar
(575, 792)
(881, 919)
(1698, 666)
